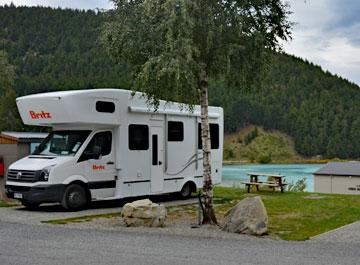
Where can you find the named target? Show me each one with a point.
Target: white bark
(209, 213)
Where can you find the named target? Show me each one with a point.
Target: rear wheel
(74, 198)
(185, 192)
(30, 206)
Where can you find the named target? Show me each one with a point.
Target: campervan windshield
(62, 143)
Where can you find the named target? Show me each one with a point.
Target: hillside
(55, 49)
(318, 110)
(254, 144)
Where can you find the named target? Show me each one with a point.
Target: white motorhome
(109, 144)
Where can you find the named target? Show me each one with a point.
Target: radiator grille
(21, 175)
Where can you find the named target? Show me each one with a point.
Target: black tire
(185, 192)
(30, 206)
(74, 198)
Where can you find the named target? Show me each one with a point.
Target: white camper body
(113, 145)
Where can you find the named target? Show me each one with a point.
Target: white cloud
(335, 48)
(309, 14)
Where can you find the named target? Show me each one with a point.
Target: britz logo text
(40, 115)
(95, 167)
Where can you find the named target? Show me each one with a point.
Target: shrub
(264, 159)
(228, 154)
(299, 186)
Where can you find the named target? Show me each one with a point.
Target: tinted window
(154, 150)
(138, 137)
(199, 136)
(175, 131)
(100, 143)
(214, 136)
(105, 106)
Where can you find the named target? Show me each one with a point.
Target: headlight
(45, 172)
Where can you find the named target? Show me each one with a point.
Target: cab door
(99, 159)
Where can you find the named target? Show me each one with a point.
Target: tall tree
(174, 46)
(9, 117)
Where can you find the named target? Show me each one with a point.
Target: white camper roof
(78, 107)
(68, 107)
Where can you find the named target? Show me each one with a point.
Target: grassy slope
(276, 144)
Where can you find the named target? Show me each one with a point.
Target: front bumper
(36, 194)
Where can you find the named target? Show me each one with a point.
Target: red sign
(39, 115)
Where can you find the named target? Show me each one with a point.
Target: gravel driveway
(45, 244)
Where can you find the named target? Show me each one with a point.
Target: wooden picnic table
(254, 181)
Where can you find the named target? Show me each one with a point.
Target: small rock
(144, 213)
(249, 216)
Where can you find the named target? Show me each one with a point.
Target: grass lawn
(292, 216)
(6, 204)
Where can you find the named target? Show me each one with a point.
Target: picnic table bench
(254, 181)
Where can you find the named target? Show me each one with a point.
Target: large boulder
(144, 213)
(247, 217)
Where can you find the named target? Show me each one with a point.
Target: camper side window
(138, 137)
(214, 136)
(105, 106)
(175, 131)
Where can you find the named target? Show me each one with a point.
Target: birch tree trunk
(209, 213)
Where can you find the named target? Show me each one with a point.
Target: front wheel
(74, 198)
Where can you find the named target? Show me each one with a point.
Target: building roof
(340, 169)
(25, 137)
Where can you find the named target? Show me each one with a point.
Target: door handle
(160, 163)
(110, 163)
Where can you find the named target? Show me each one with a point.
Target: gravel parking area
(45, 244)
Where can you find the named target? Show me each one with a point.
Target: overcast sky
(327, 31)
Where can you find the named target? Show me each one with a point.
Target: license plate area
(18, 195)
